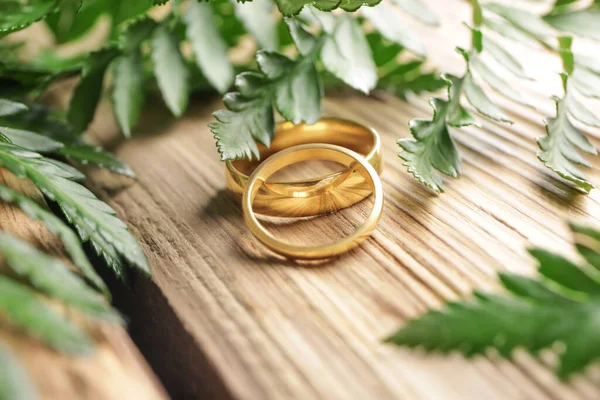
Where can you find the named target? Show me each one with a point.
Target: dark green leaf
(587, 241)
(15, 384)
(128, 90)
(26, 310)
(89, 89)
(386, 22)
(565, 273)
(209, 47)
(52, 277)
(530, 288)
(292, 7)
(94, 220)
(61, 21)
(136, 33)
(347, 55)
(56, 226)
(170, 69)
(16, 15)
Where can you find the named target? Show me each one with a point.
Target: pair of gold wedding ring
(354, 146)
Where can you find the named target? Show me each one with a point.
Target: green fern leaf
(258, 19)
(94, 220)
(30, 140)
(432, 147)
(208, 45)
(25, 309)
(60, 229)
(562, 306)
(52, 277)
(559, 147)
(128, 90)
(16, 15)
(293, 86)
(347, 55)
(170, 69)
(89, 89)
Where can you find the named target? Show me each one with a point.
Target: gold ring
(352, 160)
(318, 195)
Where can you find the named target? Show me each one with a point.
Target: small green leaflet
(559, 146)
(346, 54)
(432, 147)
(56, 226)
(170, 69)
(527, 22)
(292, 7)
(481, 102)
(505, 58)
(26, 310)
(15, 384)
(52, 277)
(209, 47)
(384, 19)
(30, 140)
(295, 88)
(259, 20)
(87, 154)
(417, 9)
(585, 23)
(560, 306)
(89, 89)
(16, 15)
(128, 90)
(497, 83)
(9, 107)
(93, 220)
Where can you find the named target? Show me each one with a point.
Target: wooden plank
(116, 370)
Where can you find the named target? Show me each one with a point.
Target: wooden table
(226, 318)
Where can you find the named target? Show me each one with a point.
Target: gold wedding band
(318, 195)
(354, 162)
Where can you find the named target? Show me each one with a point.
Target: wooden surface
(116, 370)
(225, 318)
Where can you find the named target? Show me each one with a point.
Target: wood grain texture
(224, 318)
(116, 370)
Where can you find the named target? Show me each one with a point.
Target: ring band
(353, 161)
(315, 196)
